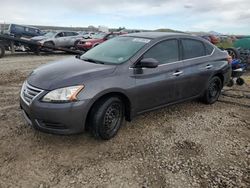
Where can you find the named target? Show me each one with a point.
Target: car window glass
(209, 49)
(18, 28)
(164, 52)
(32, 30)
(59, 35)
(66, 34)
(69, 34)
(192, 48)
(116, 50)
(110, 36)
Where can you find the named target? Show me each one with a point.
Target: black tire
(230, 83)
(240, 81)
(75, 44)
(2, 51)
(106, 118)
(213, 90)
(233, 52)
(48, 44)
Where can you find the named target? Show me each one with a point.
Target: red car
(86, 44)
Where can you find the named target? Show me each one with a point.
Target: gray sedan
(122, 78)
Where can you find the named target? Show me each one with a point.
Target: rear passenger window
(164, 52)
(192, 48)
(209, 49)
(67, 34)
(18, 28)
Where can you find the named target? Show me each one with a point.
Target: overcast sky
(225, 16)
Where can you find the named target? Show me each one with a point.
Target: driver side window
(59, 35)
(164, 52)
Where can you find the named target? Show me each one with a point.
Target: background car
(23, 31)
(96, 40)
(59, 39)
(87, 35)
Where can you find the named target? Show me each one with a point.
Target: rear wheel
(213, 90)
(106, 118)
(2, 51)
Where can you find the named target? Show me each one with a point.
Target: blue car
(23, 31)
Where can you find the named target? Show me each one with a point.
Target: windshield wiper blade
(92, 60)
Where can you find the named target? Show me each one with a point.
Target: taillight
(229, 59)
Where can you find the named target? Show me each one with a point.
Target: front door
(157, 86)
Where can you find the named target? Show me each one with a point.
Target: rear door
(66, 39)
(196, 67)
(157, 86)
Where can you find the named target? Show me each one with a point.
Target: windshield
(99, 36)
(82, 33)
(50, 34)
(116, 50)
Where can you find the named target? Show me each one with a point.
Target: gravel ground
(186, 145)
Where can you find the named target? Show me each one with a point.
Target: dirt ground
(186, 145)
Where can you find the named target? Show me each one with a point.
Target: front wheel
(213, 90)
(49, 46)
(107, 117)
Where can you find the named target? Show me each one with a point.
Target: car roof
(24, 26)
(59, 31)
(155, 35)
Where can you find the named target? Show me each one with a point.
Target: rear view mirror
(148, 63)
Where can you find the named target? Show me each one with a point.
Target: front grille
(29, 93)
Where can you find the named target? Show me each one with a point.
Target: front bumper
(83, 47)
(66, 118)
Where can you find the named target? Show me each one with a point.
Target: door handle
(177, 73)
(209, 66)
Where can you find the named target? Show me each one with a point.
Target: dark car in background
(122, 78)
(96, 39)
(23, 31)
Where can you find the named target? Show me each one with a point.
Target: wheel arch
(221, 76)
(124, 98)
(49, 41)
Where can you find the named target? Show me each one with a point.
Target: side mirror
(148, 63)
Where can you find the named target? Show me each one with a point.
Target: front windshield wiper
(92, 60)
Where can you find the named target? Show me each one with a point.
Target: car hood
(68, 72)
(39, 38)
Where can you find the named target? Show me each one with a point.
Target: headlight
(63, 94)
(88, 43)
